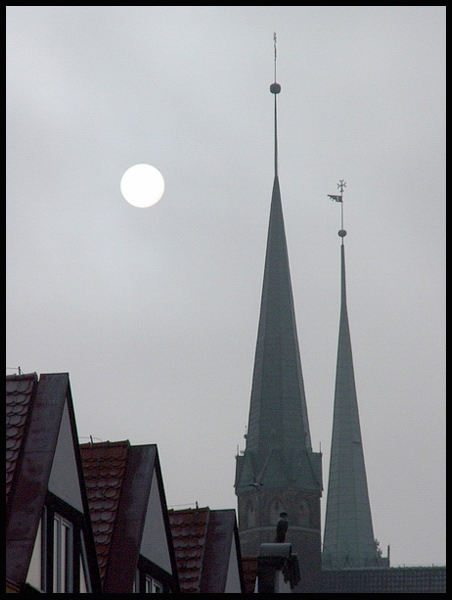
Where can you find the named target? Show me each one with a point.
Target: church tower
(348, 537)
(278, 471)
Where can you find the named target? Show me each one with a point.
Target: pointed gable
(64, 479)
(222, 568)
(43, 465)
(129, 515)
(189, 531)
(207, 549)
(156, 528)
(104, 466)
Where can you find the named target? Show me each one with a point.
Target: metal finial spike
(340, 186)
(274, 45)
(275, 88)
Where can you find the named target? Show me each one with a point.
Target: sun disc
(142, 185)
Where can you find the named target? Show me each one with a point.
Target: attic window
(64, 565)
(146, 584)
(152, 586)
(63, 542)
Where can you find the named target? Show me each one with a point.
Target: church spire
(278, 472)
(348, 536)
(278, 445)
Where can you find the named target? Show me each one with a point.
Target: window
(152, 586)
(64, 565)
(152, 579)
(63, 555)
(146, 584)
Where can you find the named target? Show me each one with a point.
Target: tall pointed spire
(348, 536)
(278, 470)
(278, 435)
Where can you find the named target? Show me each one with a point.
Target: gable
(220, 569)
(46, 472)
(64, 479)
(189, 530)
(233, 585)
(154, 543)
(273, 473)
(104, 465)
(32, 476)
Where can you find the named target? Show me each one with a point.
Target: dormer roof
(207, 550)
(129, 513)
(42, 458)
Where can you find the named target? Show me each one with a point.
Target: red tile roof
(34, 416)
(19, 391)
(206, 543)
(118, 479)
(189, 530)
(104, 466)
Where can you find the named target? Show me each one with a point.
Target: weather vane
(340, 186)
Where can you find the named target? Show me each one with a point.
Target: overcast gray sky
(154, 312)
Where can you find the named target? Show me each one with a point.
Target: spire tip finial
(275, 88)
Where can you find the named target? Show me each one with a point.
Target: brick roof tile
(19, 391)
(104, 465)
(189, 530)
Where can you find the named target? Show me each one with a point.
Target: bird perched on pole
(281, 528)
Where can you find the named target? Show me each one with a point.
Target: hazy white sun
(142, 185)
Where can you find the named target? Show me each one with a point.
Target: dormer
(130, 518)
(49, 539)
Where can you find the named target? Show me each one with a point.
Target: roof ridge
(16, 377)
(106, 444)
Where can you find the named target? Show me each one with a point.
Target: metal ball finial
(275, 88)
(341, 233)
